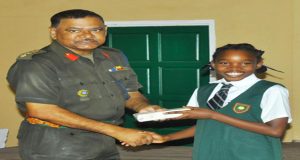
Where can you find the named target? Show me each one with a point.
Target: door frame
(158, 23)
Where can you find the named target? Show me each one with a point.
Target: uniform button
(112, 95)
(99, 96)
(103, 82)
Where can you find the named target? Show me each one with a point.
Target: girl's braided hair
(240, 46)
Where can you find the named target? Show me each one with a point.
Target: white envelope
(159, 115)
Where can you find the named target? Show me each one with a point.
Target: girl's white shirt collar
(249, 81)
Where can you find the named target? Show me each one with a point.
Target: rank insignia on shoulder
(118, 68)
(28, 55)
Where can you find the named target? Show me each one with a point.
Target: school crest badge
(241, 108)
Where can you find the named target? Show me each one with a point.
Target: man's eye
(73, 31)
(98, 30)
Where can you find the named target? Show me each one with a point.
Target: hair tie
(206, 68)
(264, 68)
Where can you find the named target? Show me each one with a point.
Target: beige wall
(271, 25)
(295, 90)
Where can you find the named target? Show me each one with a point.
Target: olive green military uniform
(96, 90)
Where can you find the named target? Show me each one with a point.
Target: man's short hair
(73, 13)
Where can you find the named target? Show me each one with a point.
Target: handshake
(137, 138)
(133, 137)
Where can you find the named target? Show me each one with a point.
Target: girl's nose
(235, 66)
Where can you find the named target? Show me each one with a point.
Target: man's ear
(105, 31)
(52, 31)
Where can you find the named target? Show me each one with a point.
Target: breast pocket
(70, 89)
(120, 75)
(120, 78)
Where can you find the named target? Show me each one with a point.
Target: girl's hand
(151, 108)
(193, 113)
(160, 138)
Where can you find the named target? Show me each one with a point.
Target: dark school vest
(218, 141)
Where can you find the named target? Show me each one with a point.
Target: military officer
(73, 93)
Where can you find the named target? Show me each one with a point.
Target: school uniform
(250, 99)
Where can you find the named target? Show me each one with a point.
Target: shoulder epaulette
(28, 55)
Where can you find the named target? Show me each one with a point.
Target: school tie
(217, 101)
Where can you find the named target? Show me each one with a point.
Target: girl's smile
(234, 74)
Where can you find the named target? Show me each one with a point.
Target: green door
(167, 61)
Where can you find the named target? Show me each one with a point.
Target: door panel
(167, 61)
(138, 52)
(178, 47)
(181, 83)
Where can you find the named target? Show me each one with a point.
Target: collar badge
(106, 55)
(71, 56)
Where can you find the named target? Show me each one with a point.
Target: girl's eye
(223, 63)
(247, 63)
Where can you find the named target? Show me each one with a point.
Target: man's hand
(156, 138)
(133, 137)
(139, 103)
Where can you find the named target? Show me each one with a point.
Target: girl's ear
(259, 64)
(212, 64)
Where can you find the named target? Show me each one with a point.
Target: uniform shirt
(274, 104)
(58, 76)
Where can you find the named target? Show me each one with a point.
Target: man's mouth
(87, 42)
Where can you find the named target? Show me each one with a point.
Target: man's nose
(87, 34)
